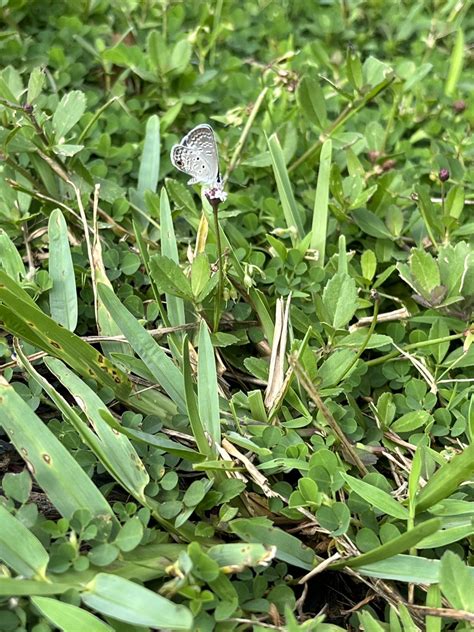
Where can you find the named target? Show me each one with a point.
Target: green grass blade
(24, 319)
(55, 470)
(152, 402)
(321, 210)
(197, 426)
(407, 568)
(455, 64)
(117, 453)
(163, 369)
(7, 283)
(145, 255)
(447, 479)
(19, 587)
(63, 294)
(141, 607)
(448, 536)
(377, 497)
(67, 617)
(31, 558)
(208, 396)
(169, 248)
(10, 258)
(149, 169)
(398, 545)
(89, 437)
(150, 161)
(239, 555)
(105, 324)
(157, 441)
(289, 548)
(292, 214)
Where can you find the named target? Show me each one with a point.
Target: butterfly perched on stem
(196, 155)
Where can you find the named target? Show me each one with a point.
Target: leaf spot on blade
(46, 458)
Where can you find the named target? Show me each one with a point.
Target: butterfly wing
(197, 155)
(192, 162)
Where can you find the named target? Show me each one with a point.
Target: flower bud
(443, 175)
(373, 156)
(459, 106)
(388, 164)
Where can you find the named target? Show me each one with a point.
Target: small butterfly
(197, 156)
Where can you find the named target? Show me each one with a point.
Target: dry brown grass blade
(276, 375)
(386, 317)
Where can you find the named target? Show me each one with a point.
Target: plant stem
(343, 117)
(246, 131)
(365, 343)
(220, 289)
(348, 449)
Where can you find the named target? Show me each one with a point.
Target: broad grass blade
(149, 169)
(406, 568)
(157, 441)
(117, 454)
(290, 209)
(55, 470)
(447, 479)
(141, 607)
(106, 326)
(289, 548)
(239, 556)
(19, 587)
(163, 369)
(92, 439)
(402, 543)
(10, 258)
(197, 426)
(455, 64)
(31, 558)
(67, 617)
(377, 497)
(169, 248)
(321, 211)
(63, 294)
(24, 319)
(208, 396)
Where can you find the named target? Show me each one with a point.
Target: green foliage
(196, 416)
